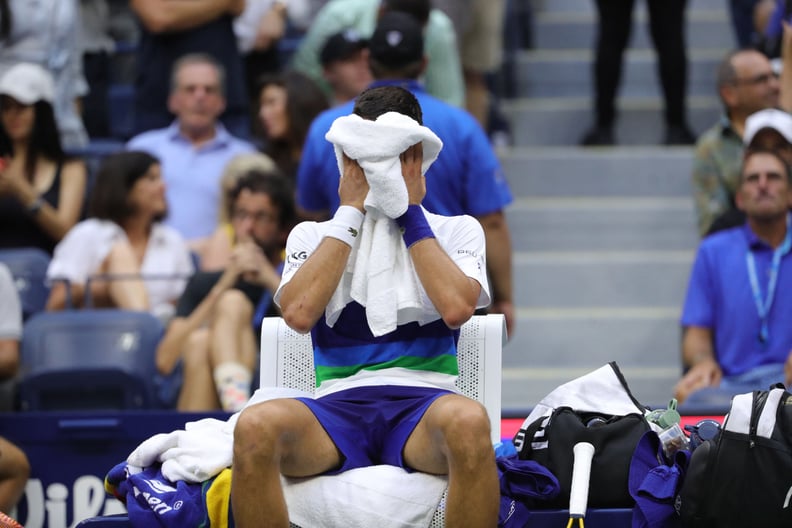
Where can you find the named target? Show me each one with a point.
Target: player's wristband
(414, 225)
(345, 225)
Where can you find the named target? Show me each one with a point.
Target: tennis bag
(597, 408)
(743, 478)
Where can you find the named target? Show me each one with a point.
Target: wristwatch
(34, 208)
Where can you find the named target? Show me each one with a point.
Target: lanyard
(763, 306)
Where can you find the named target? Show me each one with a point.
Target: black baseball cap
(397, 40)
(341, 46)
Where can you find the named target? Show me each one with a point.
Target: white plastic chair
(287, 361)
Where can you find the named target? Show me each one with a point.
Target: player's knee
(468, 422)
(259, 428)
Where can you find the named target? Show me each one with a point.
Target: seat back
(28, 266)
(89, 359)
(287, 360)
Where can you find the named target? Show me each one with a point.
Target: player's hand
(411, 161)
(353, 186)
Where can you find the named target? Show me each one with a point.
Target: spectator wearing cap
(443, 76)
(45, 32)
(746, 84)
(344, 59)
(769, 130)
(736, 332)
(467, 177)
(41, 189)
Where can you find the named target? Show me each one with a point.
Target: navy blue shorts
(370, 425)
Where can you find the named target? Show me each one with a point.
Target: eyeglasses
(260, 217)
(762, 78)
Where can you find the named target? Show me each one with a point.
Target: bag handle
(623, 382)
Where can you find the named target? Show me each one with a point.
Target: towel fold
(380, 261)
(203, 448)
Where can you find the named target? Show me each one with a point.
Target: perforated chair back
(28, 267)
(287, 360)
(89, 359)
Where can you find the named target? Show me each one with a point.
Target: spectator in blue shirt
(737, 336)
(195, 148)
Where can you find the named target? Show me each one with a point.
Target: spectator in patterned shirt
(746, 84)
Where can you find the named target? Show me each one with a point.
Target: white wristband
(345, 225)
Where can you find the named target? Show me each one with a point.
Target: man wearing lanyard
(737, 333)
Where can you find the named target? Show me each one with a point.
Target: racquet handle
(581, 471)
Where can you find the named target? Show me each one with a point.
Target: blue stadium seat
(89, 360)
(28, 266)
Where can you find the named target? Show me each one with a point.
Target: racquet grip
(581, 470)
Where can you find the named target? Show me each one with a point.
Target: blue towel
(654, 482)
(154, 501)
(522, 483)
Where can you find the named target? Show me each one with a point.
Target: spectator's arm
(9, 358)
(10, 325)
(56, 222)
(328, 20)
(499, 265)
(698, 354)
(271, 27)
(179, 329)
(162, 16)
(60, 293)
(70, 201)
(217, 252)
(697, 346)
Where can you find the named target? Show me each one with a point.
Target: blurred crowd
(157, 154)
(153, 153)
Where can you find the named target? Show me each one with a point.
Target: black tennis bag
(597, 408)
(743, 478)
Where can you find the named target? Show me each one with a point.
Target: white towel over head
(380, 274)
(376, 145)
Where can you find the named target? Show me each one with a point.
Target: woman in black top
(41, 190)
